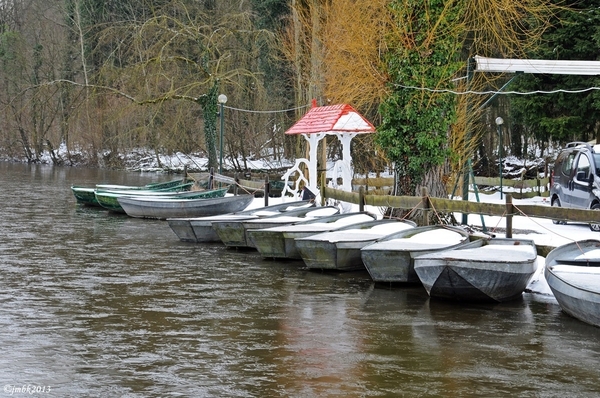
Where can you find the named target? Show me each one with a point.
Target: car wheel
(556, 203)
(595, 227)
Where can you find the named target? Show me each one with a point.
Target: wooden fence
(429, 204)
(520, 189)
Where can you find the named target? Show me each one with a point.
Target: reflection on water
(97, 304)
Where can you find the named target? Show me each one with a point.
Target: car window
(597, 163)
(583, 165)
(567, 165)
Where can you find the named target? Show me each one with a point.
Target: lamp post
(222, 98)
(499, 123)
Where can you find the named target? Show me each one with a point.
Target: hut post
(509, 216)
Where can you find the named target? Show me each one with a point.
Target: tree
(334, 49)
(142, 74)
(427, 58)
(30, 44)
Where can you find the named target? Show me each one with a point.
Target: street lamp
(222, 98)
(499, 123)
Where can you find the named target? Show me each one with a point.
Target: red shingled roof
(331, 119)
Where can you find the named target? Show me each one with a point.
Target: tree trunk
(434, 181)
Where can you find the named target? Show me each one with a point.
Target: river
(94, 304)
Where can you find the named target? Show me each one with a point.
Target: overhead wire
(438, 91)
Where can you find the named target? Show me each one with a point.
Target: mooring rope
(541, 226)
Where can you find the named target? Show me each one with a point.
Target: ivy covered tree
(415, 123)
(428, 130)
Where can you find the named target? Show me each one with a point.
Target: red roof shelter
(331, 119)
(341, 120)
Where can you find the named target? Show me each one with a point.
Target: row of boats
(447, 260)
(177, 198)
(441, 257)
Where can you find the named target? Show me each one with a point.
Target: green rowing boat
(87, 195)
(109, 199)
(172, 185)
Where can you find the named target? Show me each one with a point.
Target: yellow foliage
(354, 40)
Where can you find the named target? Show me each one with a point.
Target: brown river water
(94, 304)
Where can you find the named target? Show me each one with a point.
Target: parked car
(575, 179)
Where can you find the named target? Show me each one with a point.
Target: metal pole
(499, 123)
(221, 141)
(222, 99)
(500, 155)
(465, 172)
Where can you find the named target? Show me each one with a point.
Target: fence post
(236, 186)
(267, 189)
(509, 217)
(426, 206)
(322, 188)
(361, 198)
(211, 178)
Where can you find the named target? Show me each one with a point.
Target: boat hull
(110, 199)
(491, 270)
(200, 229)
(575, 287)
(204, 232)
(236, 233)
(390, 266)
(280, 241)
(391, 260)
(174, 208)
(334, 256)
(340, 249)
(85, 196)
(182, 227)
(167, 185)
(204, 228)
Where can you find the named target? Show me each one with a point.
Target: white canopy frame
(556, 67)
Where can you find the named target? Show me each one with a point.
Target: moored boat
(573, 274)
(167, 185)
(110, 199)
(85, 195)
(279, 241)
(211, 204)
(496, 269)
(234, 233)
(199, 229)
(391, 259)
(340, 249)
